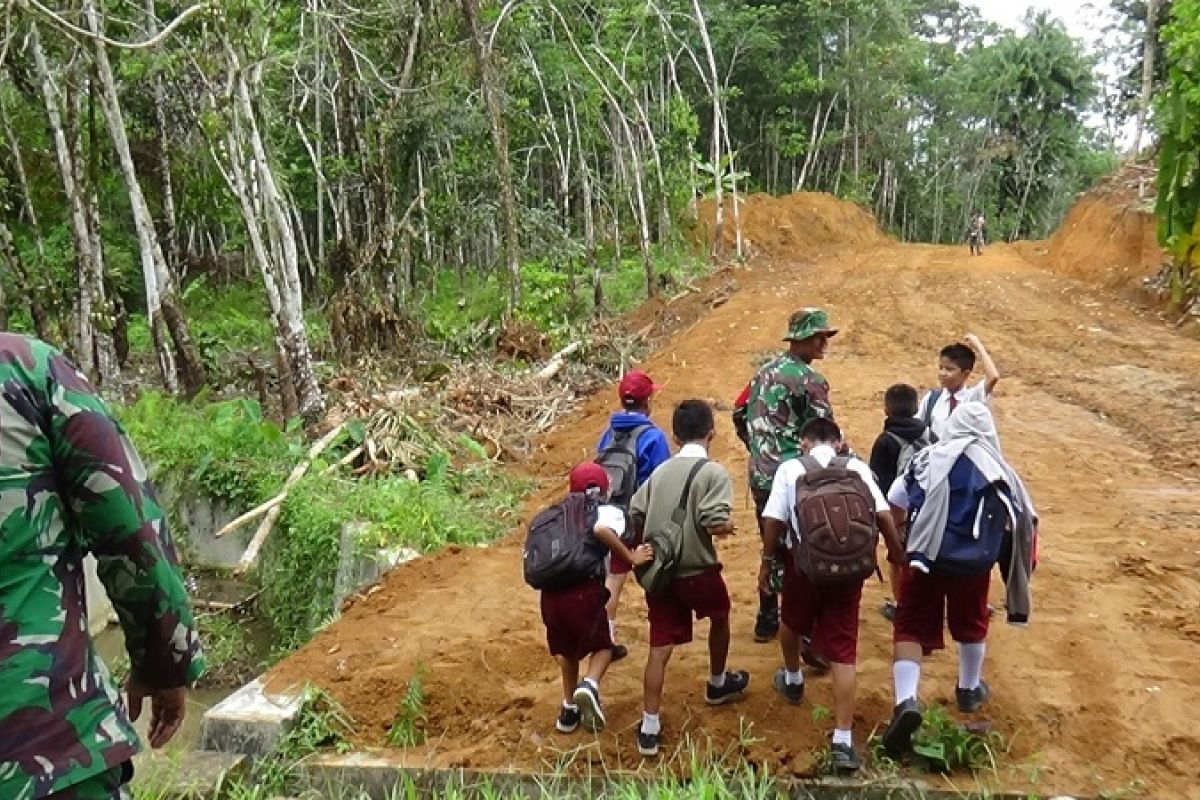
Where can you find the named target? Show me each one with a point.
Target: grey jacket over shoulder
(709, 505)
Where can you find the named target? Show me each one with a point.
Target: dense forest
(351, 161)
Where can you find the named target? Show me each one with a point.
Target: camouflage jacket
(784, 395)
(71, 483)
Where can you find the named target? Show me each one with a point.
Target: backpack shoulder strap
(840, 462)
(687, 485)
(930, 402)
(810, 464)
(897, 438)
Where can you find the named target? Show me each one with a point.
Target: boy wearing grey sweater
(705, 491)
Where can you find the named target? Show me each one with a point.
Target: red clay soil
(1110, 237)
(1098, 409)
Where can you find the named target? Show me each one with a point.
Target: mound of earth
(1110, 236)
(801, 225)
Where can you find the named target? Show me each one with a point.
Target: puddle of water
(110, 646)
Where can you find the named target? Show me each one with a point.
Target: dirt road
(1099, 408)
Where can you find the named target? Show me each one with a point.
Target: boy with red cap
(576, 623)
(629, 450)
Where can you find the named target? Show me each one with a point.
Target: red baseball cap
(636, 386)
(587, 475)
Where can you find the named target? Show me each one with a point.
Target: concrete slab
(186, 775)
(249, 722)
(377, 773)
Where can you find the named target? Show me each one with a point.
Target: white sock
(907, 676)
(793, 678)
(843, 737)
(595, 686)
(716, 681)
(970, 664)
(612, 629)
(570, 706)
(650, 723)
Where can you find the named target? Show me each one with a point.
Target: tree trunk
(1150, 42)
(714, 88)
(504, 172)
(161, 297)
(93, 344)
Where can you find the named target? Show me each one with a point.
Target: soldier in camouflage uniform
(71, 483)
(784, 395)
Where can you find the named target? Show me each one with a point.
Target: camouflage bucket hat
(808, 322)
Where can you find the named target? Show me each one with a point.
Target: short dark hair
(821, 429)
(692, 421)
(960, 354)
(900, 400)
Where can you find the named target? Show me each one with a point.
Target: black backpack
(561, 549)
(619, 461)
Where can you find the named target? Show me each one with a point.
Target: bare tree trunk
(93, 343)
(1150, 41)
(161, 297)
(714, 88)
(504, 173)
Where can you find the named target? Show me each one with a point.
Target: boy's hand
(973, 340)
(764, 577)
(728, 529)
(644, 554)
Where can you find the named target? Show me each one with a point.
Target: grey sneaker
(971, 700)
(792, 692)
(587, 697)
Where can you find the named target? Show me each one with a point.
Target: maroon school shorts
(703, 594)
(924, 600)
(618, 565)
(829, 610)
(576, 623)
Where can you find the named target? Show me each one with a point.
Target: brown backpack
(838, 532)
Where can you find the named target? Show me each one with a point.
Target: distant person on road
(629, 450)
(828, 607)
(956, 362)
(966, 510)
(696, 494)
(785, 395)
(573, 606)
(72, 484)
(976, 232)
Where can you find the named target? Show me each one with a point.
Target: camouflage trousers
(110, 785)
(760, 502)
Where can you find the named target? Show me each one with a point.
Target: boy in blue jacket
(629, 450)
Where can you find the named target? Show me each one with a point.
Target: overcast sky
(1009, 12)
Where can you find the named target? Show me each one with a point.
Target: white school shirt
(940, 416)
(781, 505)
(612, 518)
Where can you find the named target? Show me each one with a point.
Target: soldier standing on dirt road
(71, 483)
(785, 395)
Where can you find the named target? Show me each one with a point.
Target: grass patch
(408, 728)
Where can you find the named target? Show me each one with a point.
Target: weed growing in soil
(945, 745)
(406, 730)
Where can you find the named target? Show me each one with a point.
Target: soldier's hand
(167, 709)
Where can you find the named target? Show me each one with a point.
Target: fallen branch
(296, 475)
(264, 529)
(556, 361)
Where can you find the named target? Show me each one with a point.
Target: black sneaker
(733, 688)
(587, 697)
(971, 700)
(844, 758)
(792, 692)
(906, 718)
(766, 624)
(812, 657)
(619, 651)
(647, 743)
(568, 719)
